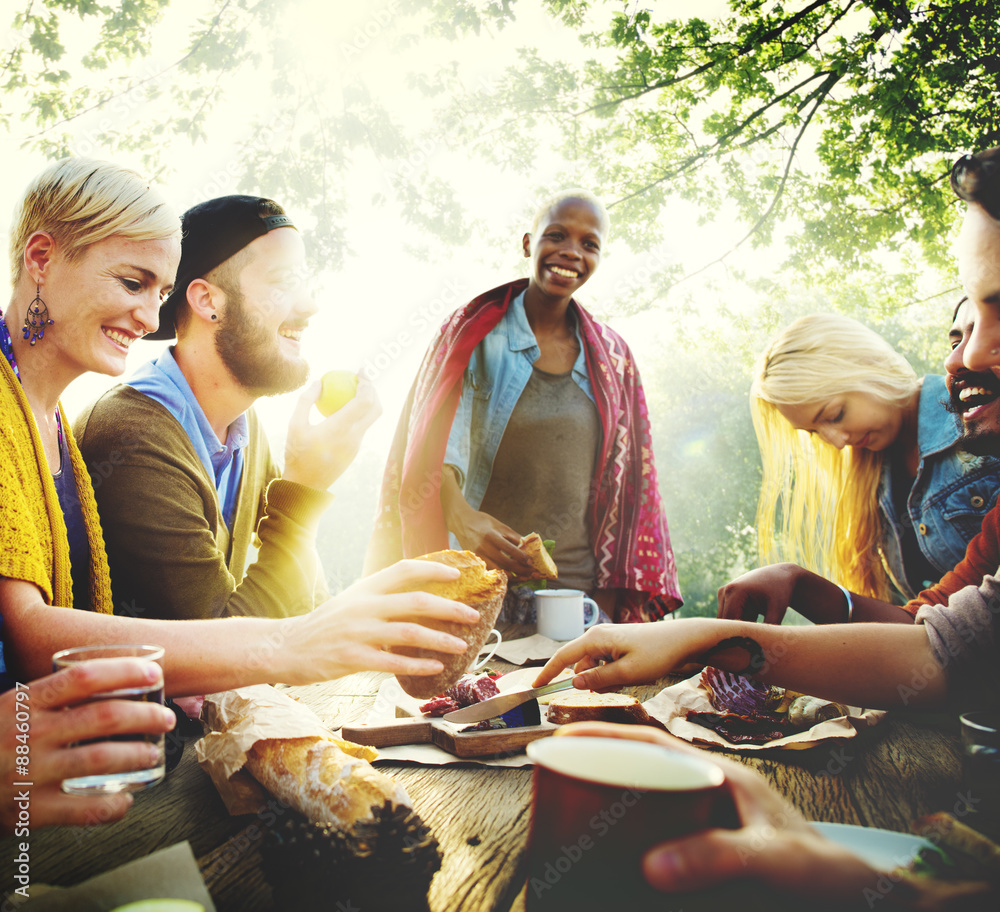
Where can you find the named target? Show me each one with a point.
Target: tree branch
(721, 141)
(141, 82)
(819, 98)
(13, 50)
(737, 51)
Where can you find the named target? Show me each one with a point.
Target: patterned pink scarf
(630, 538)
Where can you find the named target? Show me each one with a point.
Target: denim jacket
(951, 494)
(497, 374)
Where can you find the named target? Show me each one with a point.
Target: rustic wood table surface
(886, 777)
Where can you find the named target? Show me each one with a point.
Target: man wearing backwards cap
(180, 464)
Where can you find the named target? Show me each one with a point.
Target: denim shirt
(497, 374)
(952, 492)
(163, 381)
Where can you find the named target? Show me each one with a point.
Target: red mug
(599, 804)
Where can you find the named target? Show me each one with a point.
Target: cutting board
(424, 730)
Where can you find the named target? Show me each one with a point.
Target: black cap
(213, 232)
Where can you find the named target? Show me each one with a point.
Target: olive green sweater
(170, 552)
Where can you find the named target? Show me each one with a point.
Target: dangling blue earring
(36, 319)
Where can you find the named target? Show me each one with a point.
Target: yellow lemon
(338, 389)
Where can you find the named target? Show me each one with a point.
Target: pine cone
(386, 862)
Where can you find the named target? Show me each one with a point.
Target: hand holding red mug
(773, 844)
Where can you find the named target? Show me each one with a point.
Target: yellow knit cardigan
(33, 542)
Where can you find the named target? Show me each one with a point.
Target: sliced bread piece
(596, 707)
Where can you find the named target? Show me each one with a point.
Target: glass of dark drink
(131, 780)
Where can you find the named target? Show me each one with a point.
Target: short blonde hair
(81, 201)
(818, 505)
(574, 193)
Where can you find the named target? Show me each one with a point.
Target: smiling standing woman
(93, 251)
(878, 494)
(528, 415)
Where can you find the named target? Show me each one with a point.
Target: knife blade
(497, 706)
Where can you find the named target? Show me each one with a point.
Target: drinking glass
(132, 780)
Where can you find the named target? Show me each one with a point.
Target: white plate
(882, 849)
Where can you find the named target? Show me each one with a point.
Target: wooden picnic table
(885, 777)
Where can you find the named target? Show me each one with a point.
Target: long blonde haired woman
(857, 399)
(864, 480)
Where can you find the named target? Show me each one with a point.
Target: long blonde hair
(827, 498)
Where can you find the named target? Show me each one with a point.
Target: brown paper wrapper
(671, 705)
(239, 719)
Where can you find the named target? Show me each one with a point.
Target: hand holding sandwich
(495, 542)
(377, 612)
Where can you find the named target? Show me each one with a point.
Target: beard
(983, 440)
(251, 352)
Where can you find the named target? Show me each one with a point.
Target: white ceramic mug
(481, 663)
(561, 613)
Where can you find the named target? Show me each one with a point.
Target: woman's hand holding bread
(354, 630)
(482, 590)
(480, 532)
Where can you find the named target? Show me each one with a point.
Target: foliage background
(761, 160)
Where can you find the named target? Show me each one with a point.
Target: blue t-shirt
(163, 381)
(6, 678)
(76, 531)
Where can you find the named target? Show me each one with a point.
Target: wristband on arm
(850, 603)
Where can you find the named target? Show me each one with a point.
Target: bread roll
(318, 779)
(596, 707)
(478, 588)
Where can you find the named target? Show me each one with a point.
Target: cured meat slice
(438, 706)
(740, 729)
(739, 694)
(471, 689)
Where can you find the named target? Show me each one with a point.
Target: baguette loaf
(597, 707)
(262, 732)
(317, 778)
(478, 588)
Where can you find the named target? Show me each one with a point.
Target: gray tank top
(543, 470)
